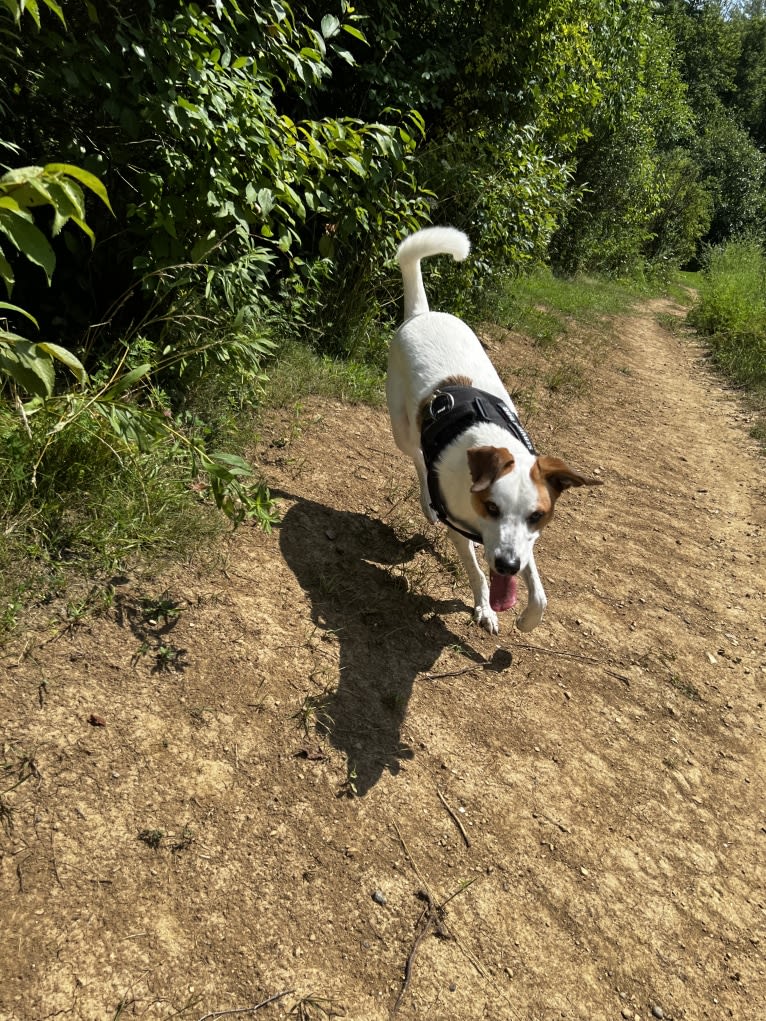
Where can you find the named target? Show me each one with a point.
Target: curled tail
(431, 241)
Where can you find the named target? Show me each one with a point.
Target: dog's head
(513, 498)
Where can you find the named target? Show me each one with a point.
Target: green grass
(730, 314)
(540, 304)
(731, 311)
(299, 372)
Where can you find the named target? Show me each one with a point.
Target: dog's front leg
(536, 598)
(482, 612)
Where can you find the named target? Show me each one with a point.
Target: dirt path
(249, 782)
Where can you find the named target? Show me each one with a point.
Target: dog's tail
(431, 241)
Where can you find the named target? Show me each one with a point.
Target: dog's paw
(530, 618)
(487, 617)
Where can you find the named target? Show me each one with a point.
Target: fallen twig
(246, 1010)
(558, 652)
(455, 819)
(429, 916)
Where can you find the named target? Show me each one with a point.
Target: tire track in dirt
(609, 780)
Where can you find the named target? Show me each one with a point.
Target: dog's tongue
(502, 591)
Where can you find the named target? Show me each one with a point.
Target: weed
(313, 714)
(330, 583)
(686, 689)
(157, 838)
(167, 656)
(568, 379)
(349, 785)
(160, 608)
(152, 838)
(19, 769)
(315, 1008)
(9, 617)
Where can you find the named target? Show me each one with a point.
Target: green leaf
(84, 177)
(354, 32)
(6, 272)
(21, 311)
(330, 26)
(125, 382)
(66, 358)
(22, 363)
(30, 241)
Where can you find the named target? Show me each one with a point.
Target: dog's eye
(492, 509)
(534, 517)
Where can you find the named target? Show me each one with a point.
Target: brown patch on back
(449, 381)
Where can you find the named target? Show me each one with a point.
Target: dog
(478, 470)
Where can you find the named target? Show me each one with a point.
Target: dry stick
(558, 652)
(425, 924)
(412, 861)
(456, 673)
(431, 915)
(247, 1010)
(455, 819)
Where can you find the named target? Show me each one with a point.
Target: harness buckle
(441, 404)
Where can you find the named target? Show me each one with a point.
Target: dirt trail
(248, 782)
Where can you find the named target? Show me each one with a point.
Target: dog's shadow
(387, 634)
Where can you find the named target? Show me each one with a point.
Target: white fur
(428, 348)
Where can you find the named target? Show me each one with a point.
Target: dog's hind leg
(482, 612)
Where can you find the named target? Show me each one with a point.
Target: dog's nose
(504, 565)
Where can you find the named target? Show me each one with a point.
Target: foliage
(58, 185)
(198, 121)
(731, 310)
(626, 181)
(734, 170)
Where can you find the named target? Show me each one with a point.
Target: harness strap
(451, 411)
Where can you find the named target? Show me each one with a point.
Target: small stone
(379, 897)
(657, 1011)
(627, 1013)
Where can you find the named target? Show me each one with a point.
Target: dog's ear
(487, 464)
(559, 476)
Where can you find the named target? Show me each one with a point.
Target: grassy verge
(731, 315)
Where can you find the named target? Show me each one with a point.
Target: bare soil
(303, 776)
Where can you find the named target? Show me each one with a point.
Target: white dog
(478, 470)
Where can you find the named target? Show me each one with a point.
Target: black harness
(451, 411)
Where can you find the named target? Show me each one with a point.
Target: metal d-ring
(441, 404)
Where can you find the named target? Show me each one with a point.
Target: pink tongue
(502, 591)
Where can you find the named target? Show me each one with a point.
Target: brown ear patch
(556, 476)
(487, 465)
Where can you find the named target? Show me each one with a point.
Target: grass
(730, 314)
(300, 372)
(540, 304)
